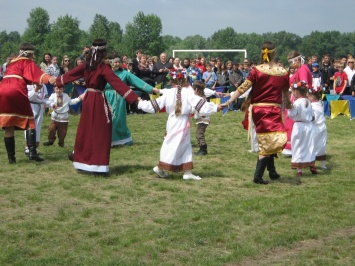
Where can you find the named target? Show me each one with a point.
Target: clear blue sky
(185, 18)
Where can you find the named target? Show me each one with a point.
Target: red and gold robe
(15, 108)
(266, 98)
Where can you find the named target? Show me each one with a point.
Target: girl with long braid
(176, 151)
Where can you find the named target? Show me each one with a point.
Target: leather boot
(259, 171)
(10, 148)
(203, 150)
(271, 168)
(31, 143)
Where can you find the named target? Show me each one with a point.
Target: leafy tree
(38, 28)
(115, 37)
(64, 38)
(99, 28)
(145, 34)
(9, 44)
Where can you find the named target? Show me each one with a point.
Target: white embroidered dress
(320, 131)
(176, 151)
(302, 139)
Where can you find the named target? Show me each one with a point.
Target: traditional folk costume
(302, 73)
(176, 151)
(302, 139)
(320, 132)
(93, 139)
(266, 99)
(268, 85)
(121, 135)
(37, 100)
(59, 117)
(15, 107)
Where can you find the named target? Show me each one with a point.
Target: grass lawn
(51, 215)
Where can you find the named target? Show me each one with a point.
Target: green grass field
(51, 215)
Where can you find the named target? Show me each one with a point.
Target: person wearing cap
(317, 81)
(350, 71)
(15, 108)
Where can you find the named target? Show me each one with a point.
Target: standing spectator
(15, 107)
(199, 64)
(53, 69)
(317, 82)
(65, 67)
(3, 67)
(209, 77)
(353, 86)
(235, 80)
(161, 69)
(213, 64)
(124, 61)
(245, 71)
(270, 83)
(46, 62)
(177, 64)
(222, 75)
(186, 63)
(327, 70)
(350, 71)
(340, 80)
(144, 72)
(136, 60)
(193, 72)
(93, 138)
(84, 53)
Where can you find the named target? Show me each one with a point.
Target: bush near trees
(64, 36)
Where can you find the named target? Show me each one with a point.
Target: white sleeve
(209, 92)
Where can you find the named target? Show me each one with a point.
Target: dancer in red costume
(93, 138)
(15, 107)
(269, 82)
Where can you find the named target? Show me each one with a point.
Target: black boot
(259, 171)
(271, 168)
(10, 147)
(31, 143)
(203, 150)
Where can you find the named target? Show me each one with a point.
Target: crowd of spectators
(214, 72)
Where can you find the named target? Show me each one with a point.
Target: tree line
(64, 37)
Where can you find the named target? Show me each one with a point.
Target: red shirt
(339, 81)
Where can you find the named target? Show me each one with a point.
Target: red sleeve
(32, 72)
(71, 75)
(121, 88)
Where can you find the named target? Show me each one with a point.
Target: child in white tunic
(38, 96)
(176, 151)
(302, 139)
(319, 127)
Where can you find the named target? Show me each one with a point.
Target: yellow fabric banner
(339, 107)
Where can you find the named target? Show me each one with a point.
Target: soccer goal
(214, 50)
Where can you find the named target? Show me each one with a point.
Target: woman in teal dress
(121, 135)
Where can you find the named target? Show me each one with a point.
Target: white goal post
(215, 50)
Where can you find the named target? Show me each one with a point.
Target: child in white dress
(319, 127)
(302, 139)
(176, 151)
